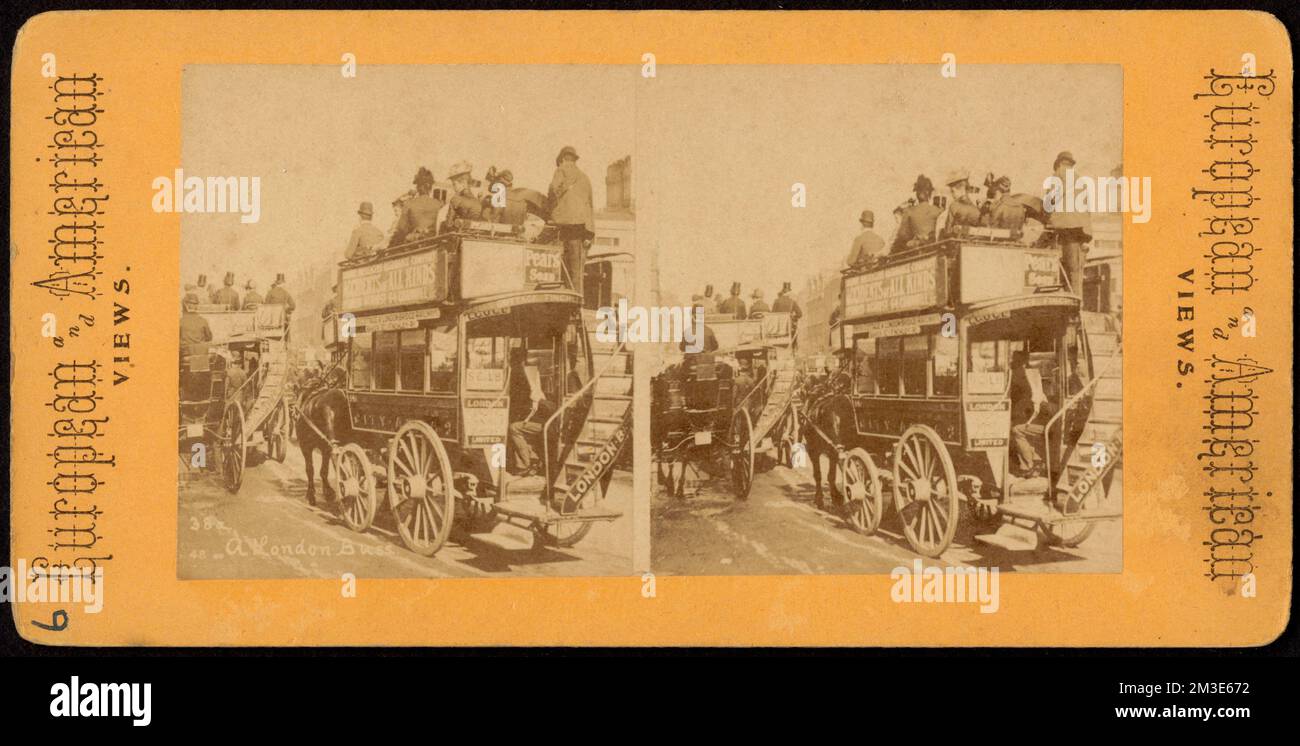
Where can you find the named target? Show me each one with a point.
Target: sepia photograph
(911, 352)
(389, 364)
(940, 335)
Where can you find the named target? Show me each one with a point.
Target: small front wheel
(860, 485)
(355, 487)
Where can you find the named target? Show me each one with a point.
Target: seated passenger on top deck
(918, 222)
(420, 213)
(962, 212)
(465, 205)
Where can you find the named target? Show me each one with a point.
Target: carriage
(731, 408)
(931, 336)
(233, 392)
(449, 341)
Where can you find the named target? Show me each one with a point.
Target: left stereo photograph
(390, 362)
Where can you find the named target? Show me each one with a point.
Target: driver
(195, 331)
(1029, 415)
(526, 430)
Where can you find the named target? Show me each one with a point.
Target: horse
(322, 412)
(829, 422)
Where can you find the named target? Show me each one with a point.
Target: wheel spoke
(903, 467)
(937, 533)
(405, 458)
(426, 458)
(404, 510)
(941, 510)
(417, 522)
(430, 527)
(437, 514)
(915, 454)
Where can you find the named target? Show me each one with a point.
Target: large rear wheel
(925, 490)
(420, 489)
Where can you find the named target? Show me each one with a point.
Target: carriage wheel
(420, 488)
(232, 446)
(925, 490)
(860, 485)
(742, 454)
(278, 444)
(1073, 533)
(355, 486)
(567, 534)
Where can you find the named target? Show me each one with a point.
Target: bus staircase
(269, 383)
(779, 398)
(270, 393)
(1081, 480)
(579, 456)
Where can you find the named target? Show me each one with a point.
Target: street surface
(779, 531)
(269, 530)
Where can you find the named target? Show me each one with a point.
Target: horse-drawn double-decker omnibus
(946, 343)
(451, 340)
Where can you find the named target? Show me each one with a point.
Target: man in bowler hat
(365, 237)
(867, 247)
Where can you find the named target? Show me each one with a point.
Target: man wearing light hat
(464, 205)
(1072, 229)
(962, 212)
(420, 213)
(571, 212)
(757, 306)
(365, 237)
(867, 247)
